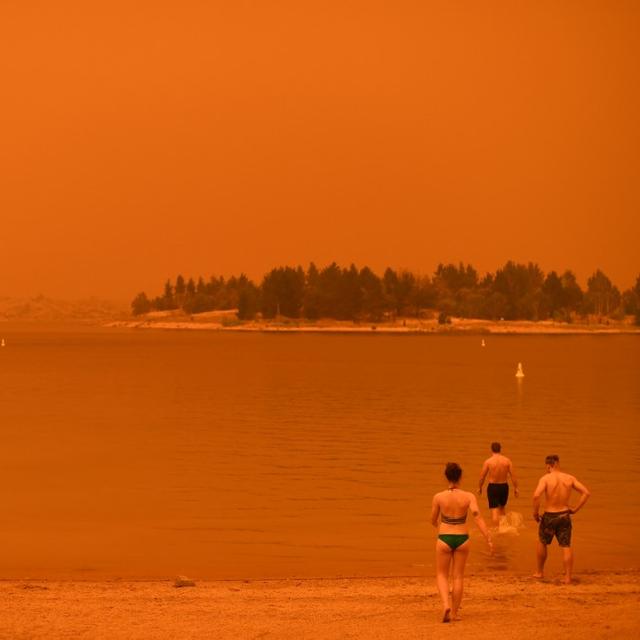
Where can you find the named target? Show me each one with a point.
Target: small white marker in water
(482, 343)
(519, 372)
(2, 343)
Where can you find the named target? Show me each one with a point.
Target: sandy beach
(227, 321)
(598, 605)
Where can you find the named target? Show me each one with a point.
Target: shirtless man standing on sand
(556, 519)
(498, 468)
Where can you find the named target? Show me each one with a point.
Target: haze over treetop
(149, 138)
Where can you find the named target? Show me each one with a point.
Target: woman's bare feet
(446, 616)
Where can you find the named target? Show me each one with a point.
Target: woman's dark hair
(453, 471)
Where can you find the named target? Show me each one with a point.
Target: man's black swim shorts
(498, 494)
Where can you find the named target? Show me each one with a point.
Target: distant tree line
(514, 292)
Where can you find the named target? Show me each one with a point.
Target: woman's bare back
(454, 502)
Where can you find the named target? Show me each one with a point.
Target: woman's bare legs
(459, 561)
(443, 563)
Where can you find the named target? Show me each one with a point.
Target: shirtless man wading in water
(556, 519)
(498, 468)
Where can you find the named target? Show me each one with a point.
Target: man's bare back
(556, 488)
(498, 468)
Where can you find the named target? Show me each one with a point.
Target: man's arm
(435, 512)
(537, 494)
(483, 475)
(584, 495)
(514, 480)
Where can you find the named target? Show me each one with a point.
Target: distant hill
(43, 309)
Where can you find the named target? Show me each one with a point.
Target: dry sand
(227, 320)
(599, 605)
(408, 326)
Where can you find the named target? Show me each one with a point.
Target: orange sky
(143, 139)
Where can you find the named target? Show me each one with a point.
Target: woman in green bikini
(450, 507)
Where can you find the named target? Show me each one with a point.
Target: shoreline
(403, 327)
(598, 605)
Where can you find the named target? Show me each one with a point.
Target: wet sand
(598, 605)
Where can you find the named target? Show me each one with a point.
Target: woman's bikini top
(452, 520)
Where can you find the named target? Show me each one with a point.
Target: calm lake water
(231, 455)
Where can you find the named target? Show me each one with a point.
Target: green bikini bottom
(454, 540)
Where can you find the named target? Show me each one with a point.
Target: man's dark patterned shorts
(556, 524)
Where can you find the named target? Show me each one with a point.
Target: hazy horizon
(157, 289)
(143, 141)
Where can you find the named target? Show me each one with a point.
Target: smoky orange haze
(141, 140)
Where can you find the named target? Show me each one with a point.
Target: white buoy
(519, 372)
(482, 343)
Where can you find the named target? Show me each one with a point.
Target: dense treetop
(514, 292)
